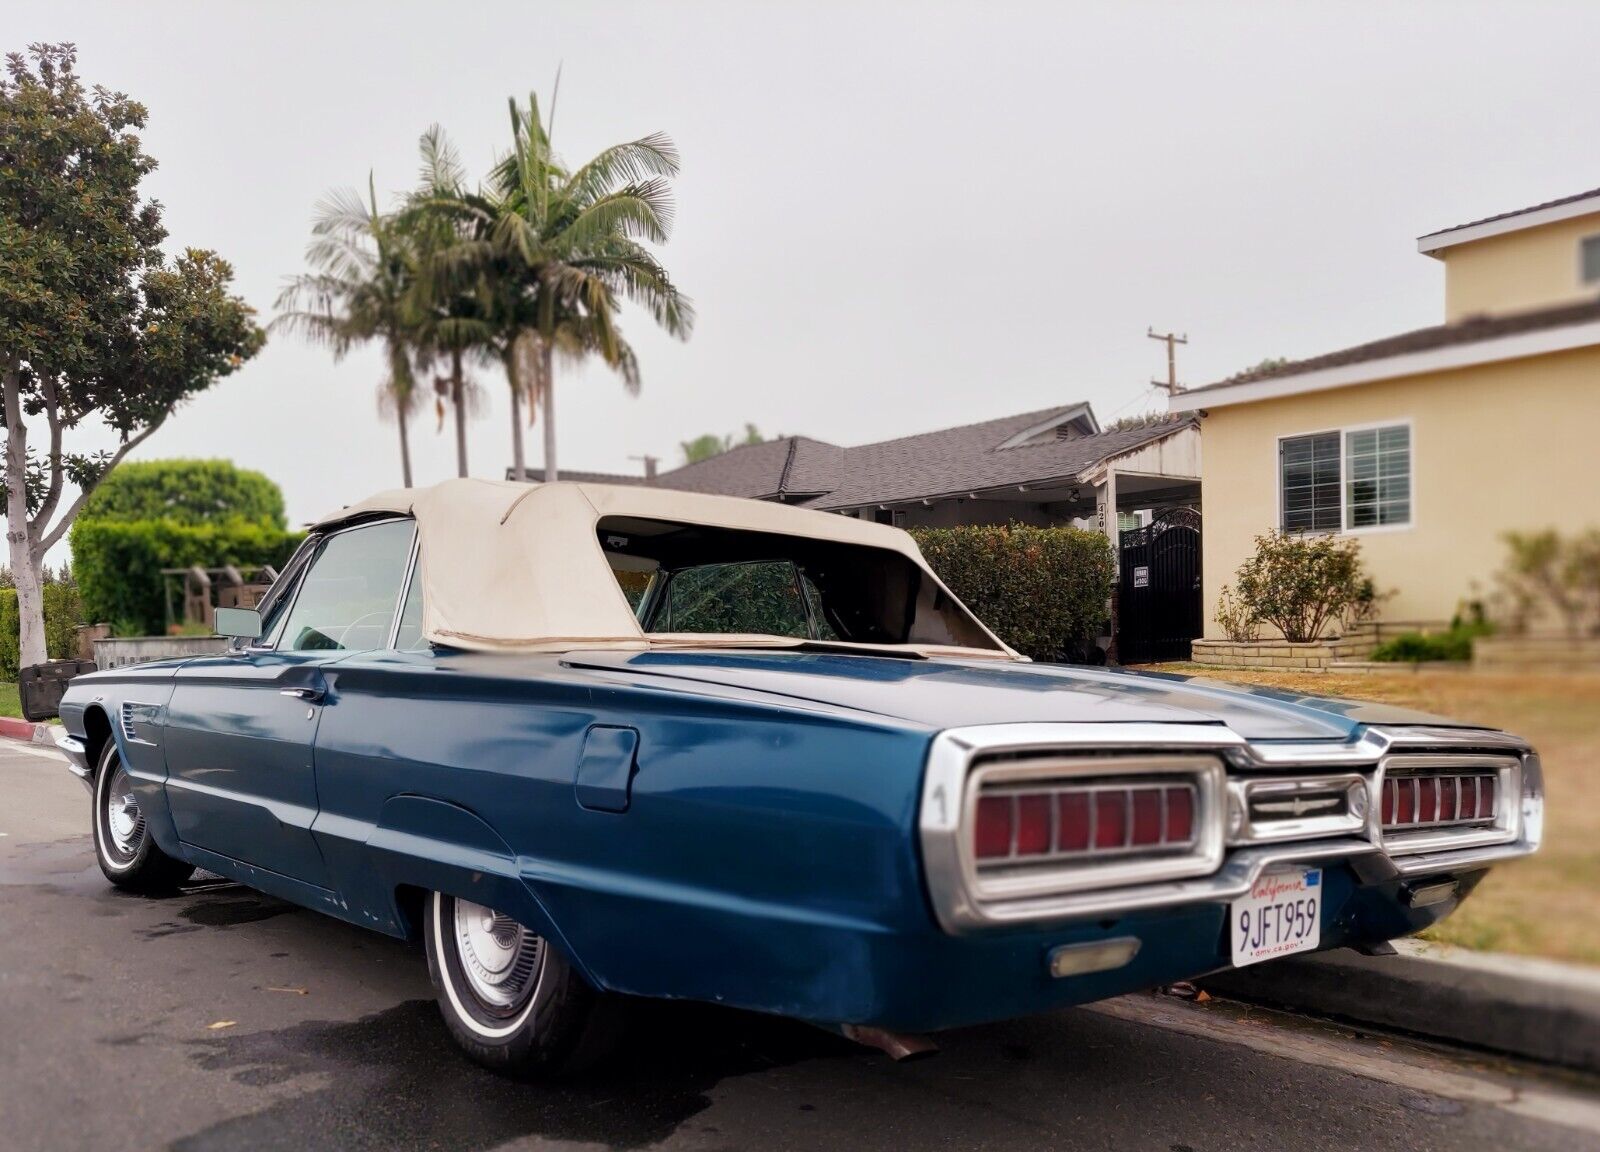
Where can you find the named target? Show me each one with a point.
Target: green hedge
(1455, 643)
(193, 492)
(1044, 591)
(62, 615)
(118, 565)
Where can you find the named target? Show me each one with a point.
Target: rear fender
(436, 846)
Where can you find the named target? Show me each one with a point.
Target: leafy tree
(93, 320)
(361, 291)
(186, 492)
(552, 251)
(709, 445)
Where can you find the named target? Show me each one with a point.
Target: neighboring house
(1055, 466)
(1431, 445)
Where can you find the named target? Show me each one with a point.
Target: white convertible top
(509, 566)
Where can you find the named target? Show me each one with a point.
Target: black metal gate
(1158, 594)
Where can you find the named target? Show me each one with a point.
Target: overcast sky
(892, 217)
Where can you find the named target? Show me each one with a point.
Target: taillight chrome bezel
(1433, 837)
(1023, 877)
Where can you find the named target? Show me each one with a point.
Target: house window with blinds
(1377, 477)
(1309, 483)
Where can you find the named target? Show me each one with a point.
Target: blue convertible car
(591, 742)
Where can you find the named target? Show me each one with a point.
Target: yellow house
(1428, 446)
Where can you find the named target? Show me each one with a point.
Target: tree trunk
(519, 467)
(458, 400)
(547, 394)
(25, 557)
(405, 441)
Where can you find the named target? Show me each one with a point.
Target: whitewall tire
(510, 1000)
(123, 847)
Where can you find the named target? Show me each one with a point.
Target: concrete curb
(1518, 1005)
(25, 730)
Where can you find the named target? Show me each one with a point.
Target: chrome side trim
(962, 901)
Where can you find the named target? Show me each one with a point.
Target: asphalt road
(224, 1019)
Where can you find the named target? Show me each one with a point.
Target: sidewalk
(1520, 1005)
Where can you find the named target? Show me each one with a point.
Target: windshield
(686, 578)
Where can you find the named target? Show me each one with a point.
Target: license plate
(1282, 915)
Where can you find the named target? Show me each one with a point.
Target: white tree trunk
(547, 394)
(25, 556)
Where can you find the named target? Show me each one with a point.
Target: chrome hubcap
(499, 957)
(124, 819)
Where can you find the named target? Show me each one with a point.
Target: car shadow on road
(397, 1079)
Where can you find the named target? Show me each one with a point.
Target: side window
(760, 596)
(1589, 258)
(409, 637)
(1309, 483)
(346, 600)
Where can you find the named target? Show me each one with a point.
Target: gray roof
(1467, 331)
(948, 462)
(1573, 199)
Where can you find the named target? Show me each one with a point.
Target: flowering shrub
(1300, 584)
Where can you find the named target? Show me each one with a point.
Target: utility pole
(1171, 339)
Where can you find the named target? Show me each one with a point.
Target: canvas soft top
(509, 566)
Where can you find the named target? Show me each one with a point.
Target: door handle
(310, 695)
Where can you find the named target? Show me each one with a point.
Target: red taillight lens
(1180, 815)
(1147, 816)
(1072, 822)
(1033, 825)
(1110, 819)
(1437, 800)
(992, 835)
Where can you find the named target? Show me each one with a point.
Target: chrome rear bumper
(962, 902)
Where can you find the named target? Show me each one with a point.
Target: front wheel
(511, 1001)
(126, 851)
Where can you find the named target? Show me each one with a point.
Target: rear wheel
(126, 852)
(511, 1001)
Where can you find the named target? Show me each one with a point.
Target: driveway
(220, 1018)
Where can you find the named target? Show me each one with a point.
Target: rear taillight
(1087, 820)
(1430, 801)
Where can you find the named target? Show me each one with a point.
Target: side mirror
(240, 623)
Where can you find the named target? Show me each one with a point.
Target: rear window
(688, 578)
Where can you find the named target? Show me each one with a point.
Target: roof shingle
(1468, 331)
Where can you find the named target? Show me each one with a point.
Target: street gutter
(1523, 1006)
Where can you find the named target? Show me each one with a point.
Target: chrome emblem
(1296, 807)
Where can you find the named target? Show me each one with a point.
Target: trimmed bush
(10, 634)
(1301, 584)
(193, 492)
(118, 565)
(62, 614)
(1044, 591)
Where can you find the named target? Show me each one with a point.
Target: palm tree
(453, 322)
(552, 252)
(365, 265)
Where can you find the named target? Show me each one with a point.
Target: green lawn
(10, 703)
(1548, 904)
